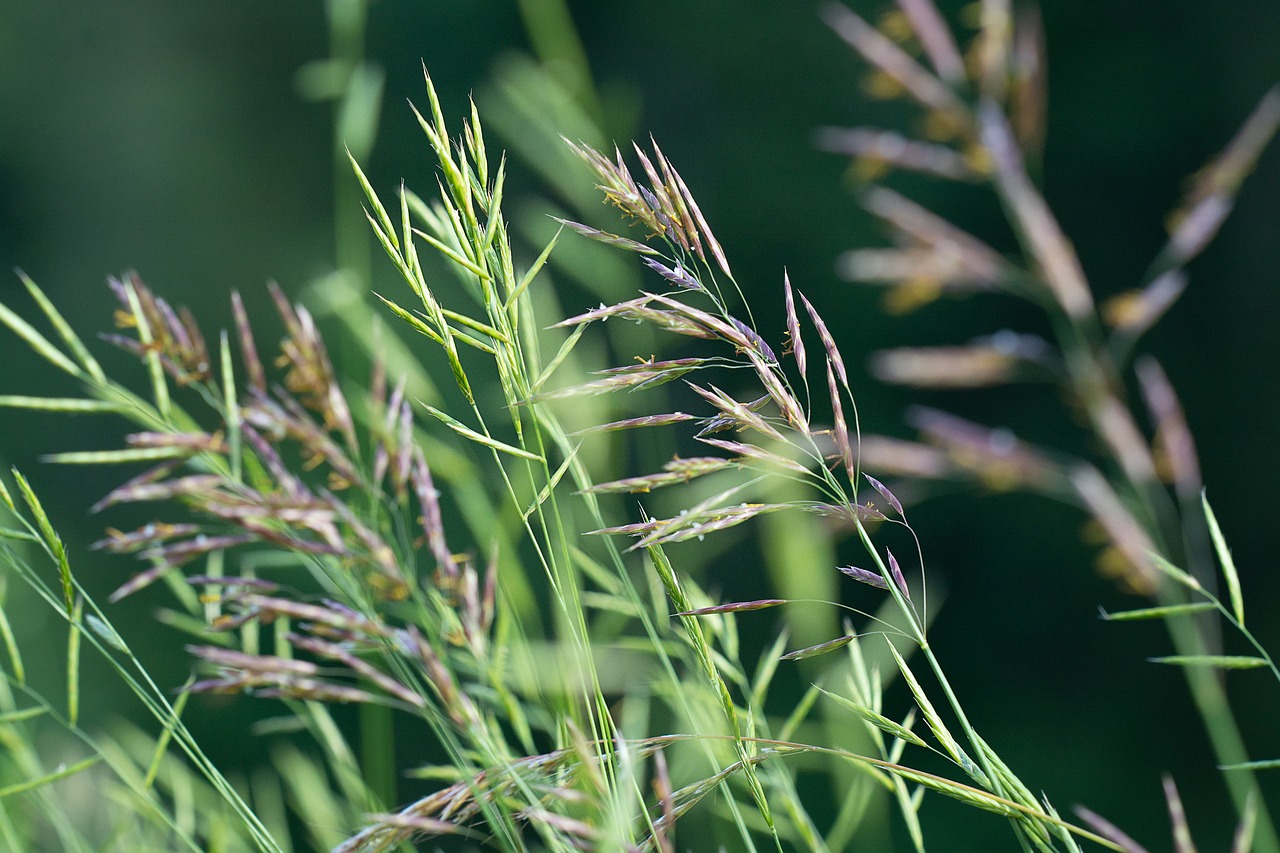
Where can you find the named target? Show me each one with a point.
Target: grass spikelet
(795, 339)
(841, 427)
(819, 649)
(892, 60)
(734, 607)
(866, 576)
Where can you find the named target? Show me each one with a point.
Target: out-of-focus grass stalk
(984, 119)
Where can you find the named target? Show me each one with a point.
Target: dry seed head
(995, 455)
(1124, 531)
(875, 150)
(892, 62)
(945, 367)
(1175, 451)
(906, 458)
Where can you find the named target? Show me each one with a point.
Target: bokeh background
(194, 144)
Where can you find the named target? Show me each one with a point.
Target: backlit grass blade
(11, 648)
(479, 438)
(383, 220)
(532, 272)
(38, 342)
(1215, 661)
(59, 323)
(116, 457)
(565, 348)
(75, 630)
(1262, 764)
(162, 742)
(49, 778)
(931, 716)
(878, 720)
(67, 405)
(1159, 612)
(1229, 572)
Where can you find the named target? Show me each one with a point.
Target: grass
(460, 548)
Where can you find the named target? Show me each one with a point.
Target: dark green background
(170, 138)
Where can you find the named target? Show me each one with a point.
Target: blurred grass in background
(188, 143)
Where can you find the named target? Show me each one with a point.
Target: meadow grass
(454, 545)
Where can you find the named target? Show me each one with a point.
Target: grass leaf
(116, 457)
(1262, 764)
(1215, 661)
(38, 342)
(1159, 612)
(383, 223)
(73, 663)
(11, 647)
(878, 720)
(67, 405)
(59, 323)
(1224, 557)
(49, 778)
(480, 438)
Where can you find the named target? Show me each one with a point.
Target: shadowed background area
(195, 145)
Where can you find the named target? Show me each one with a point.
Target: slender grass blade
(479, 438)
(1215, 661)
(1224, 557)
(61, 773)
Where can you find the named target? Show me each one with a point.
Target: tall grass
(455, 547)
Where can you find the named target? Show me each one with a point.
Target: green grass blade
(1224, 557)
(230, 405)
(1215, 661)
(383, 224)
(480, 438)
(444, 249)
(545, 491)
(162, 742)
(59, 323)
(561, 354)
(19, 716)
(49, 778)
(534, 269)
(38, 342)
(67, 405)
(1262, 764)
(1159, 612)
(11, 648)
(115, 457)
(931, 716)
(75, 631)
(419, 325)
(471, 323)
(1174, 572)
(878, 720)
(107, 632)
